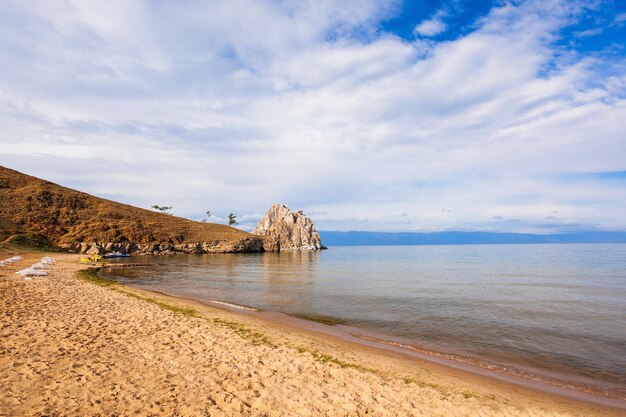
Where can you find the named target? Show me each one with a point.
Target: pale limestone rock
(285, 230)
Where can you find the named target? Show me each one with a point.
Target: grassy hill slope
(67, 218)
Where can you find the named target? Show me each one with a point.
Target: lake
(555, 312)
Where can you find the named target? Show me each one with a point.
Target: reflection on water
(288, 277)
(558, 308)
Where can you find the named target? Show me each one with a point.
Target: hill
(35, 209)
(464, 238)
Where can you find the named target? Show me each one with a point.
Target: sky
(368, 115)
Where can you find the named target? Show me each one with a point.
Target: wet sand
(71, 347)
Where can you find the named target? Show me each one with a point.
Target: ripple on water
(552, 310)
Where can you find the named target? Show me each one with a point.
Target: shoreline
(521, 378)
(570, 386)
(72, 347)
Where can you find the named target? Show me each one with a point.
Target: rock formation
(287, 231)
(220, 246)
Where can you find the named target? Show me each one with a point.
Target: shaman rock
(285, 230)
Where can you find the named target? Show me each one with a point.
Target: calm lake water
(557, 311)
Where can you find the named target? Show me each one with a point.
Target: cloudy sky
(369, 115)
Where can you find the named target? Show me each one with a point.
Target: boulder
(285, 230)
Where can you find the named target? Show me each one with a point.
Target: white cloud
(238, 105)
(433, 26)
(430, 27)
(588, 32)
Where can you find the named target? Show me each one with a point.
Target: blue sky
(368, 115)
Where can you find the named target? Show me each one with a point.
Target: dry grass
(32, 205)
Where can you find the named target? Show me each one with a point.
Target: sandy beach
(71, 347)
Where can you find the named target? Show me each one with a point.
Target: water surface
(557, 311)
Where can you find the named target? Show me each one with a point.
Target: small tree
(207, 216)
(232, 219)
(162, 209)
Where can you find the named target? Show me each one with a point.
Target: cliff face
(287, 231)
(83, 223)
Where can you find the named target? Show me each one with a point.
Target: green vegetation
(257, 338)
(162, 209)
(411, 380)
(467, 395)
(207, 216)
(185, 311)
(326, 358)
(91, 275)
(232, 219)
(327, 320)
(8, 229)
(30, 242)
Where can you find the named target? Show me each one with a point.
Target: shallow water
(554, 310)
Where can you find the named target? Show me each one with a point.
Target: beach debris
(31, 272)
(37, 269)
(11, 260)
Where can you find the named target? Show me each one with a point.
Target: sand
(73, 348)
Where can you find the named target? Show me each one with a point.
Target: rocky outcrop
(243, 245)
(285, 230)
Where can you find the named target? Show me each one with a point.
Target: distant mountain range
(463, 238)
